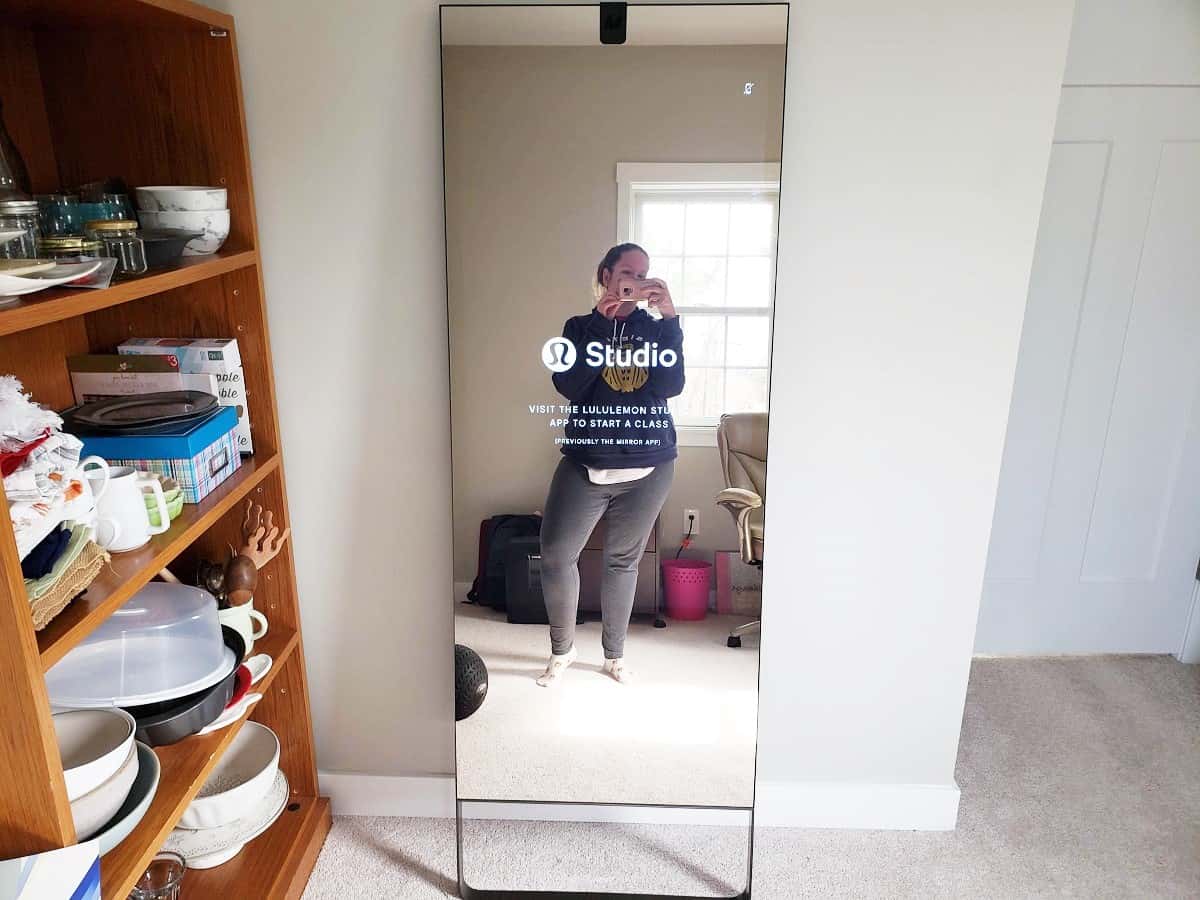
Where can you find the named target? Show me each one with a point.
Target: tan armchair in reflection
(742, 443)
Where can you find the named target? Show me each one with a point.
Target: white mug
(123, 523)
(242, 619)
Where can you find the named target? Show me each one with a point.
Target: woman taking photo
(618, 450)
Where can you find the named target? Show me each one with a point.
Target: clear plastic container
(163, 644)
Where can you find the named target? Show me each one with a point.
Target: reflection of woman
(619, 450)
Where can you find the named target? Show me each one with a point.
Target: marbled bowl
(213, 223)
(181, 198)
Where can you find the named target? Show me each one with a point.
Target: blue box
(198, 455)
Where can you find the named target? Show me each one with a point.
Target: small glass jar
(58, 214)
(71, 248)
(122, 243)
(19, 230)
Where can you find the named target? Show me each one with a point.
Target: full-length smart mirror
(611, 215)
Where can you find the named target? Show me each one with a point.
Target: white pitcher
(124, 523)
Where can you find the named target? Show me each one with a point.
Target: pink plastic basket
(685, 583)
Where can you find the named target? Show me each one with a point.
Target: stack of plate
(26, 276)
(245, 793)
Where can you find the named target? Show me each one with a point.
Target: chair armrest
(735, 499)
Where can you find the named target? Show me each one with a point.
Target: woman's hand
(611, 306)
(659, 297)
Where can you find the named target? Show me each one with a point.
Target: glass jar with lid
(121, 242)
(70, 248)
(19, 230)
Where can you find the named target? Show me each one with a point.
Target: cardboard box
(219, 357)
(98, 376)
(212, 356)
(198, 455)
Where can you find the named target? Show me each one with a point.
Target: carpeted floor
(1080, 778)
(681, 733)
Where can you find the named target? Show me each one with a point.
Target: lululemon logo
(558, 354)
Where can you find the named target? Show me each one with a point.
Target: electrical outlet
(691, 517)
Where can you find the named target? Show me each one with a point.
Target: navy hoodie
(619, 416)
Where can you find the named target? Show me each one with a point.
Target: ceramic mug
(242, 619)
(122, 521)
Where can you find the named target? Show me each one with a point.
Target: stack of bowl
(172, 494)
(110, 777)
(186, 208)
(243, 795)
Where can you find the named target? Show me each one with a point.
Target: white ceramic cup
(122, 521)
(243, 619)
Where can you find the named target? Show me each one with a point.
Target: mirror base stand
(469, 893)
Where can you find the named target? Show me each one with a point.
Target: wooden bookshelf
(147, 90)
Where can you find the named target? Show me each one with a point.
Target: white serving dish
(145, 786)
(180, 198)
(18, 285)
(93, 744)
(208, 847)
(97, 808)
(239, 781)
(214, 224)
(163, 644)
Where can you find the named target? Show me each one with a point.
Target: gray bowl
(134, 808)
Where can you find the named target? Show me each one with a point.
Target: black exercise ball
(470, 682)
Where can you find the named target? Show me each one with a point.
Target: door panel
(1097, 524)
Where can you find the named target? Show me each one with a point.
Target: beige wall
(531, 207)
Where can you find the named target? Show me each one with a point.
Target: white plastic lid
(164, 643)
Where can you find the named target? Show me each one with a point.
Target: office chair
(742, 443)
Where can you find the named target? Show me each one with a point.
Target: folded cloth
(74, 581)
(42, 475)
(10, 460)
(39, 587)
(42, 557)
(33, 521)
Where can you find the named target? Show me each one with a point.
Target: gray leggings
(573, 508)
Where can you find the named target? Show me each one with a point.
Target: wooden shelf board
(105, 15)
(58, 304)
(129, 572)
(275, 864)
(185, 766)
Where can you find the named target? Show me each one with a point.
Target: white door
(1096, 536)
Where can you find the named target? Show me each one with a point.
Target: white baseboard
(416, 796)
(910, 807)
(904, 807)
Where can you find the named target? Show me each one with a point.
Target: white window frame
(691, 178)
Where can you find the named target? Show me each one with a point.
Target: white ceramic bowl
(240, 780)
(132, 811)
(214, 223)
(97, 808)
(93, 744)
(181, 197)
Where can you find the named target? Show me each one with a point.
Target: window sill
(695, 435)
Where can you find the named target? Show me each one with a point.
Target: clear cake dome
(164, 643)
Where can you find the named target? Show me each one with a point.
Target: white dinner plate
(16, 285)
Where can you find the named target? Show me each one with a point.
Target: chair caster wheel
(733, 641)
(660, 622)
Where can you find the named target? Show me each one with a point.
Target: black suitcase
(525, 604)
